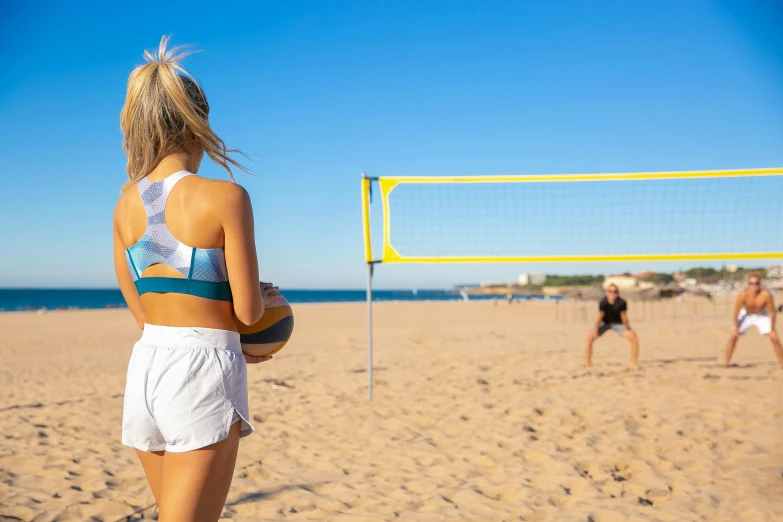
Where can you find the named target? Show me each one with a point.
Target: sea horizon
(52, 299)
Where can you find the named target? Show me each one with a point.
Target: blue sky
(317, 92)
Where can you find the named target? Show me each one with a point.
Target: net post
(368, 257)
(369, 331)
(366, 187)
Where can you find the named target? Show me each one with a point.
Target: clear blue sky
(318, 92)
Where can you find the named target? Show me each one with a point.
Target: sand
(481, 412)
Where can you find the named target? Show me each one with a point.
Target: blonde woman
(185, 258)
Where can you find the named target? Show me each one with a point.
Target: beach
(482, 411)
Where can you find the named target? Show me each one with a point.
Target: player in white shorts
(755, 307)
(186, 263)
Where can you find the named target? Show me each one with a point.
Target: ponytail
(166, 111)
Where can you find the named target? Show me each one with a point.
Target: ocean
(21, 299)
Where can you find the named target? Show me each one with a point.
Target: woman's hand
(252, 359)
(269, 293)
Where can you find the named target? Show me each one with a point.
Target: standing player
(185, 405)
(755, 307)
(612, 315)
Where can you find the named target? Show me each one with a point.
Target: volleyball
(270, 333)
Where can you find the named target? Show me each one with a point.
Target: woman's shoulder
(124, 201)
(221, 191)
(222, 186)
(224, 199)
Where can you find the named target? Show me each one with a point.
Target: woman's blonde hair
(166, 111)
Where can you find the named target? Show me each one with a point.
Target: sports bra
(203, 269)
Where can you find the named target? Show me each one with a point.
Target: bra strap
(155, 194)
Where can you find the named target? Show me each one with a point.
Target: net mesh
(731, 217)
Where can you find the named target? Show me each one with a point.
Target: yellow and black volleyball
(271, 332)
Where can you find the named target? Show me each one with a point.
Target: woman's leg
(195, 484)
(152, 462)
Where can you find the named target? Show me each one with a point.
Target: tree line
(700, 274)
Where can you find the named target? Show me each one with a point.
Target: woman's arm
(240, 248)
(124, 278)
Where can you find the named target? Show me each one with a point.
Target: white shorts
(761, 321)
(184, 390)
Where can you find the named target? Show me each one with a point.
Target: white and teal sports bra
(203, 269)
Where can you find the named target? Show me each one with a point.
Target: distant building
(625, 282)
(531, 279)
(679, 277)
(621, 281)
(644, 275)
(776, 285)
(775, 271)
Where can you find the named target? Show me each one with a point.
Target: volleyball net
(661, 216)
(716, 215)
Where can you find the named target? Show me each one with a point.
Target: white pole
(369, 332)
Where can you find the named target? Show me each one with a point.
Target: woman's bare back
(201, 213)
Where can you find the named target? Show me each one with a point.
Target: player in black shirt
(612, 315)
